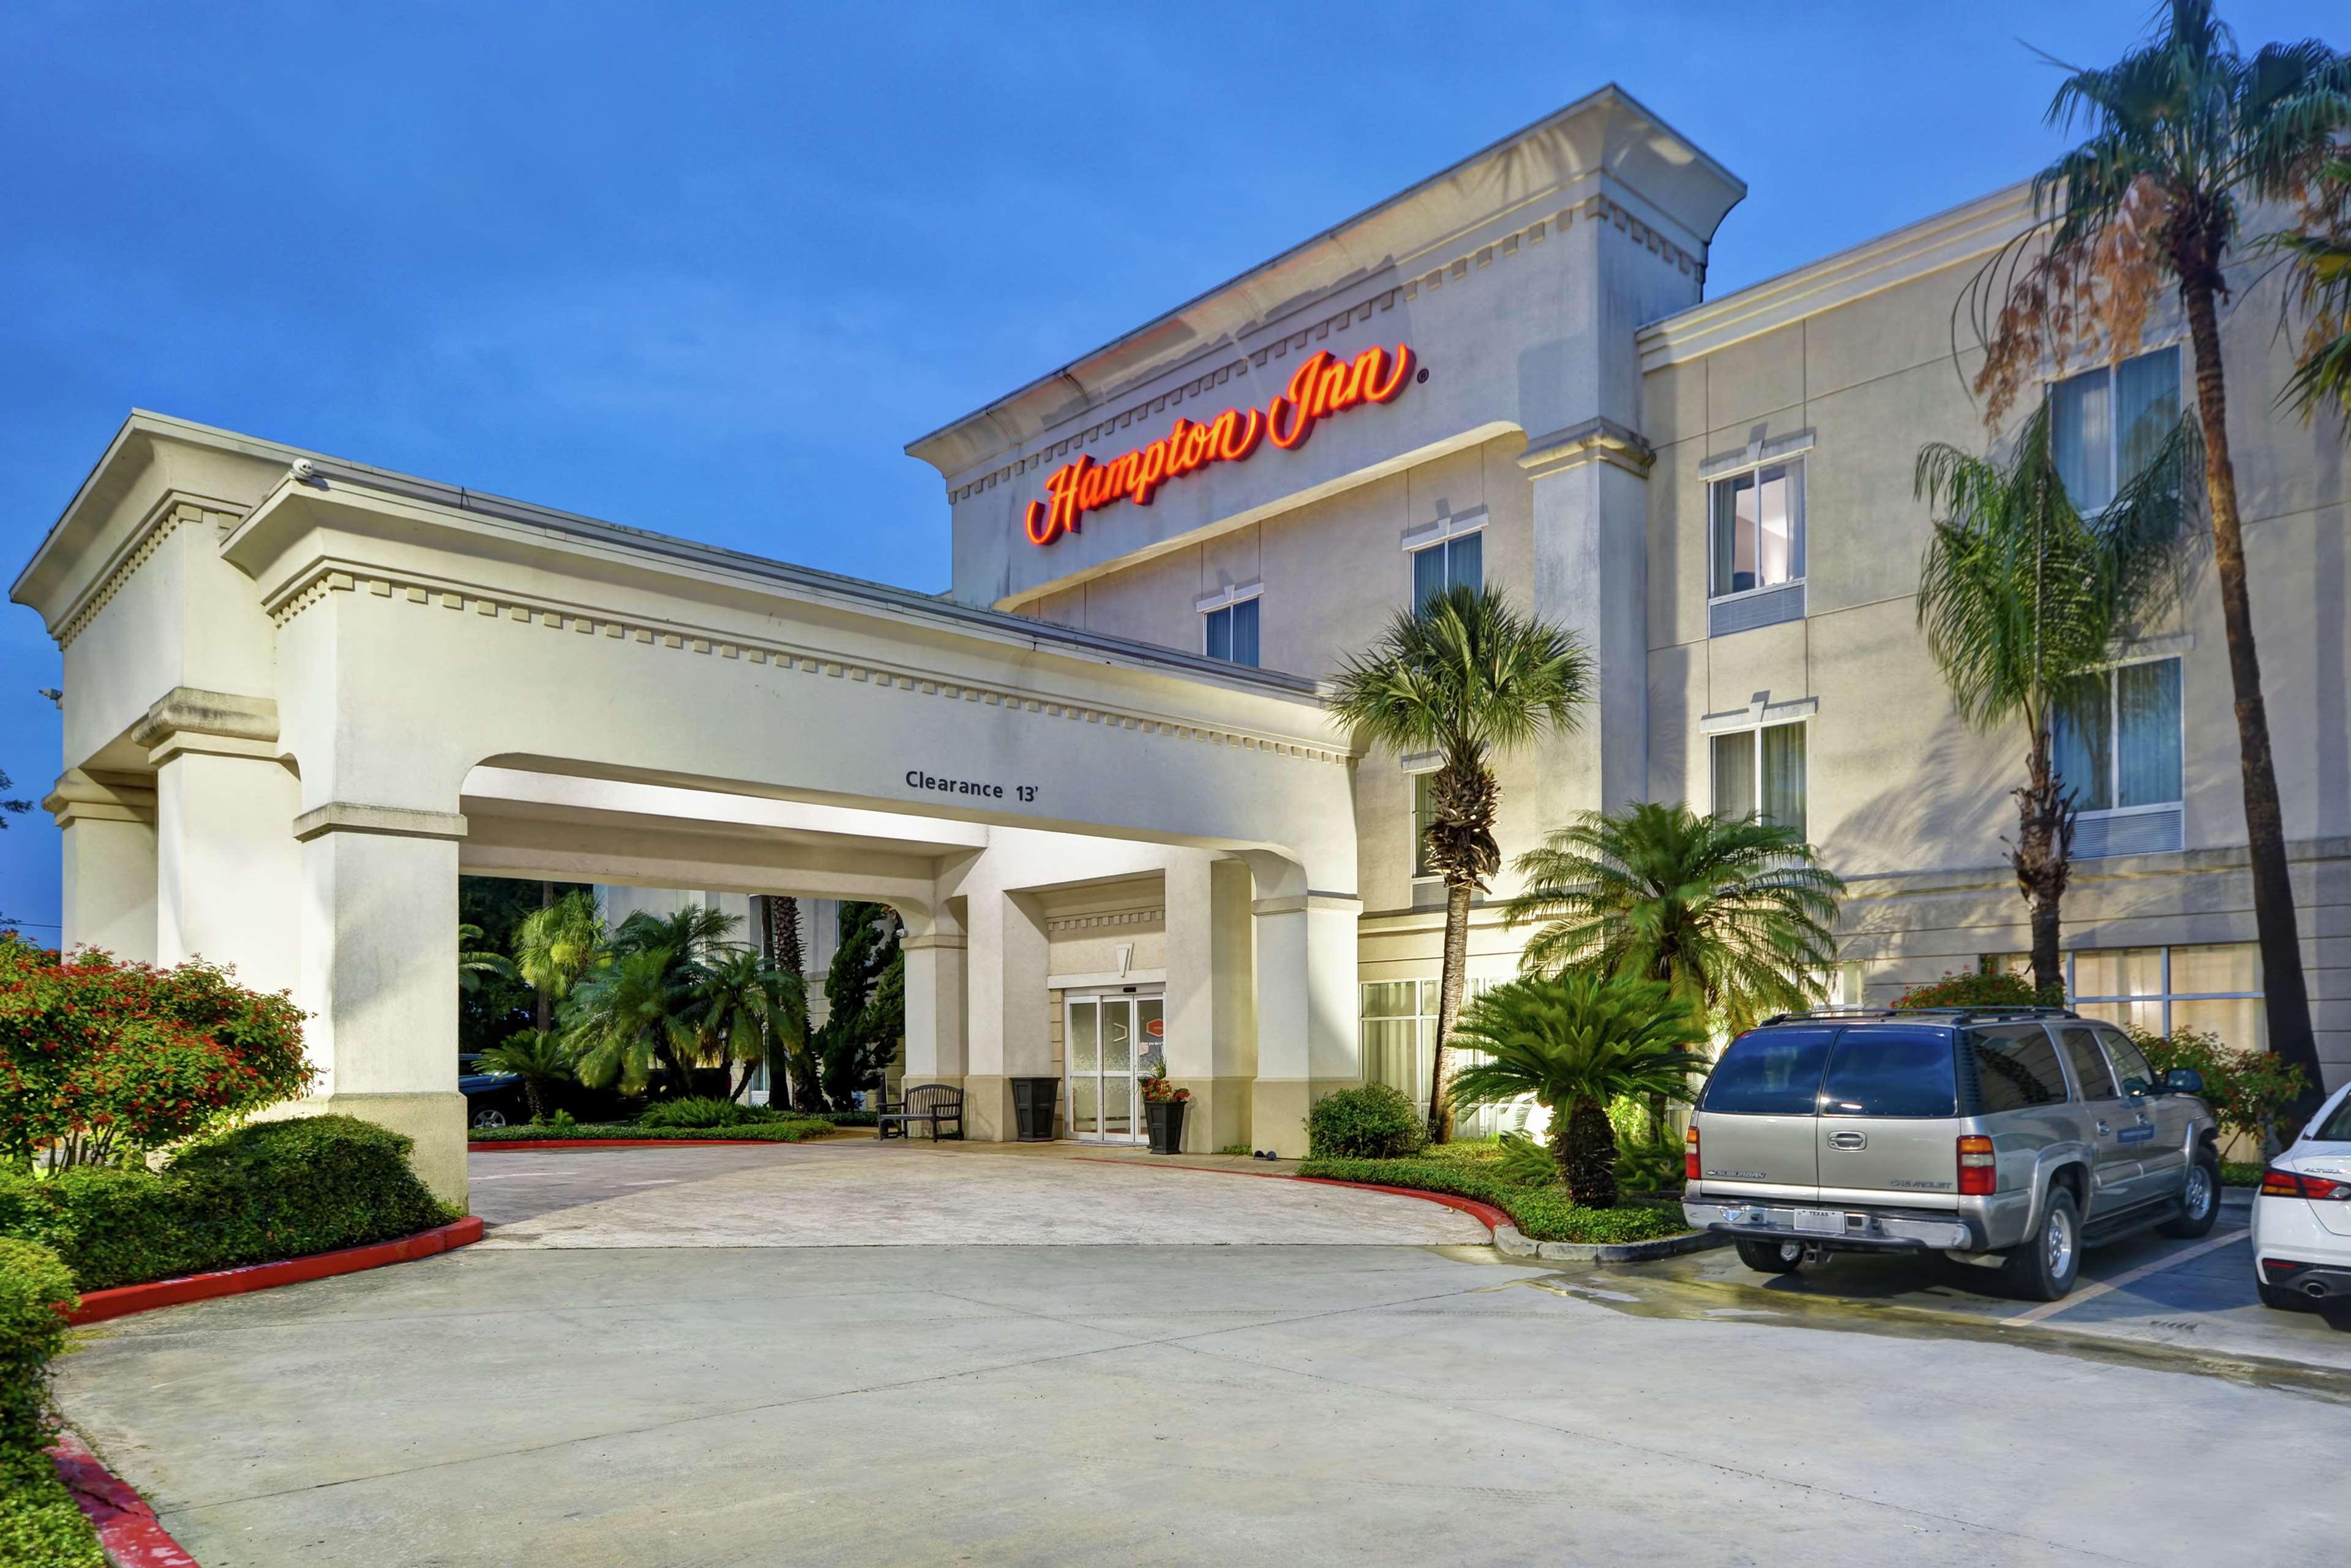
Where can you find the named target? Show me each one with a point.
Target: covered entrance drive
(302, 693)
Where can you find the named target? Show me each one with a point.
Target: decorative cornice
(223, 715)
(389, 822)
(1113, 917)
(81, 797)
(328, 579)
(1594, 441)
(1596, 209)
(167, 517)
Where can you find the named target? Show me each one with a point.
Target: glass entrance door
(1107, 1040)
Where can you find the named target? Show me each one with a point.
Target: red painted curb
(127, 1528)
(1485, 1214)
(504, 1143)
(98, 1306)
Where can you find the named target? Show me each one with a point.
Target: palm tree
(749, 1010)
(555, 945)
(473, 963)
(2320, 254)
(1575, 1041)
(2022, 598)
(633, 1015)
(1734, 916)
(2182, 129)
(1464, 675)
(538, 1057)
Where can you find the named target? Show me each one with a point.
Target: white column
(1211, 997)
(935, 1004)
(107, 831)
(380, 975)
(1008, 1026)
(1591, 575)
(1306, 1011)
(227, 872)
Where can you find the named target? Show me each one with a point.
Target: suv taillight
(1979, 1175)
(1690, 1154)
(2277, 1183)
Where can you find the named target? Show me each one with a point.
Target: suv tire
(2199, 1198)
(1770, 1256)
(2042, 1269)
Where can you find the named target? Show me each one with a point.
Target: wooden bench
(932, 1103)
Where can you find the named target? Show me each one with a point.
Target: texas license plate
(1820, 1221)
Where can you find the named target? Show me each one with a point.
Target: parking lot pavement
(2149, 1291)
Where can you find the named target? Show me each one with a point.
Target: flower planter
(1166, 1119)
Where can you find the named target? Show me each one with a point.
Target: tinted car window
(1891, 1073)
(2090, 1069)
(1770, 1072)
(2137, 1075)
(2336, 1128)
(2016, 1069)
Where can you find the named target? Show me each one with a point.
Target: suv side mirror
(2183, 1081)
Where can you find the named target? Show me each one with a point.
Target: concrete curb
(98, 1306)
(127, 1528)
(1509, 1241)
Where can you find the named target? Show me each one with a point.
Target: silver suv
(2016, 1137)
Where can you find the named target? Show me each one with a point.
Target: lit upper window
(1757, 524)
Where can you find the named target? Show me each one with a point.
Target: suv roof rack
(1931, 1015)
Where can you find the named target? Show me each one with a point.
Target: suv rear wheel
(2042, 1270)
(2200, 1199)
(1770, 1256)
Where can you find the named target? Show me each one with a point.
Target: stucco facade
(277, 755)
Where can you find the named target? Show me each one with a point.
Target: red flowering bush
(102, 1060)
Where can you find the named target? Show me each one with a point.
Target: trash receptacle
(1033, 1100)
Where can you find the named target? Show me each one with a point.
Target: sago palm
(2022, 597)
(2184, 131)
(1575, 1041)
(1734, 916)
(538, 1057)
(1466, 676)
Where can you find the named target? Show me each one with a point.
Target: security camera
(55, 695)
(305, 470)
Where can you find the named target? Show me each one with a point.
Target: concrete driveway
(859, 1193)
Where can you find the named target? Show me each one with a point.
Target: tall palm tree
(2022, 597)
(1465, 675)
(633, 1015)
(555, 945)
(1575, 1041)
(2181, 131)
(1734, 916)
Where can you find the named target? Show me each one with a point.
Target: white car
(2302, 1220)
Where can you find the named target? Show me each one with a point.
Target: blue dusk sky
(707, 268)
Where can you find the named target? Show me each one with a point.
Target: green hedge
(41, 1526)
(1368, 1122)
(1541, 1214)
(790, 1132)
(265, 1192)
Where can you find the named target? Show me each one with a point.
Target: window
(2117, 739)
(1231, 632)
(2137, 1075)
(2016, 1069)
(1424, 813)
(2105, 423)
(2090, 1069)
(1758, 527)
(1891, 1073)
(1760, 772)
(1776, 1073)
(1398, 1024)
(1456, 562)
(2214, 987)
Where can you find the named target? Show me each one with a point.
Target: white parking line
(2051, 1309)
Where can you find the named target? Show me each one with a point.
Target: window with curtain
(1760, 773)
(1457, 562)
(2115, 737)
(2212, 987)
(1398, 1033)
(1758, 526)
(2106, 424)
(1230, 632)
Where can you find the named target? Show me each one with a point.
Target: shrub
(781, 1130)
(34, 1282)
(2250, 1090)
(1522, 1161)
(2006, 990)
(1368, 1122)
(700, 1110)
(1541, 1214)
(102, 1060)
(266, 1192)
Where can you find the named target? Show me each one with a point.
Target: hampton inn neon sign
(1321, 385)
